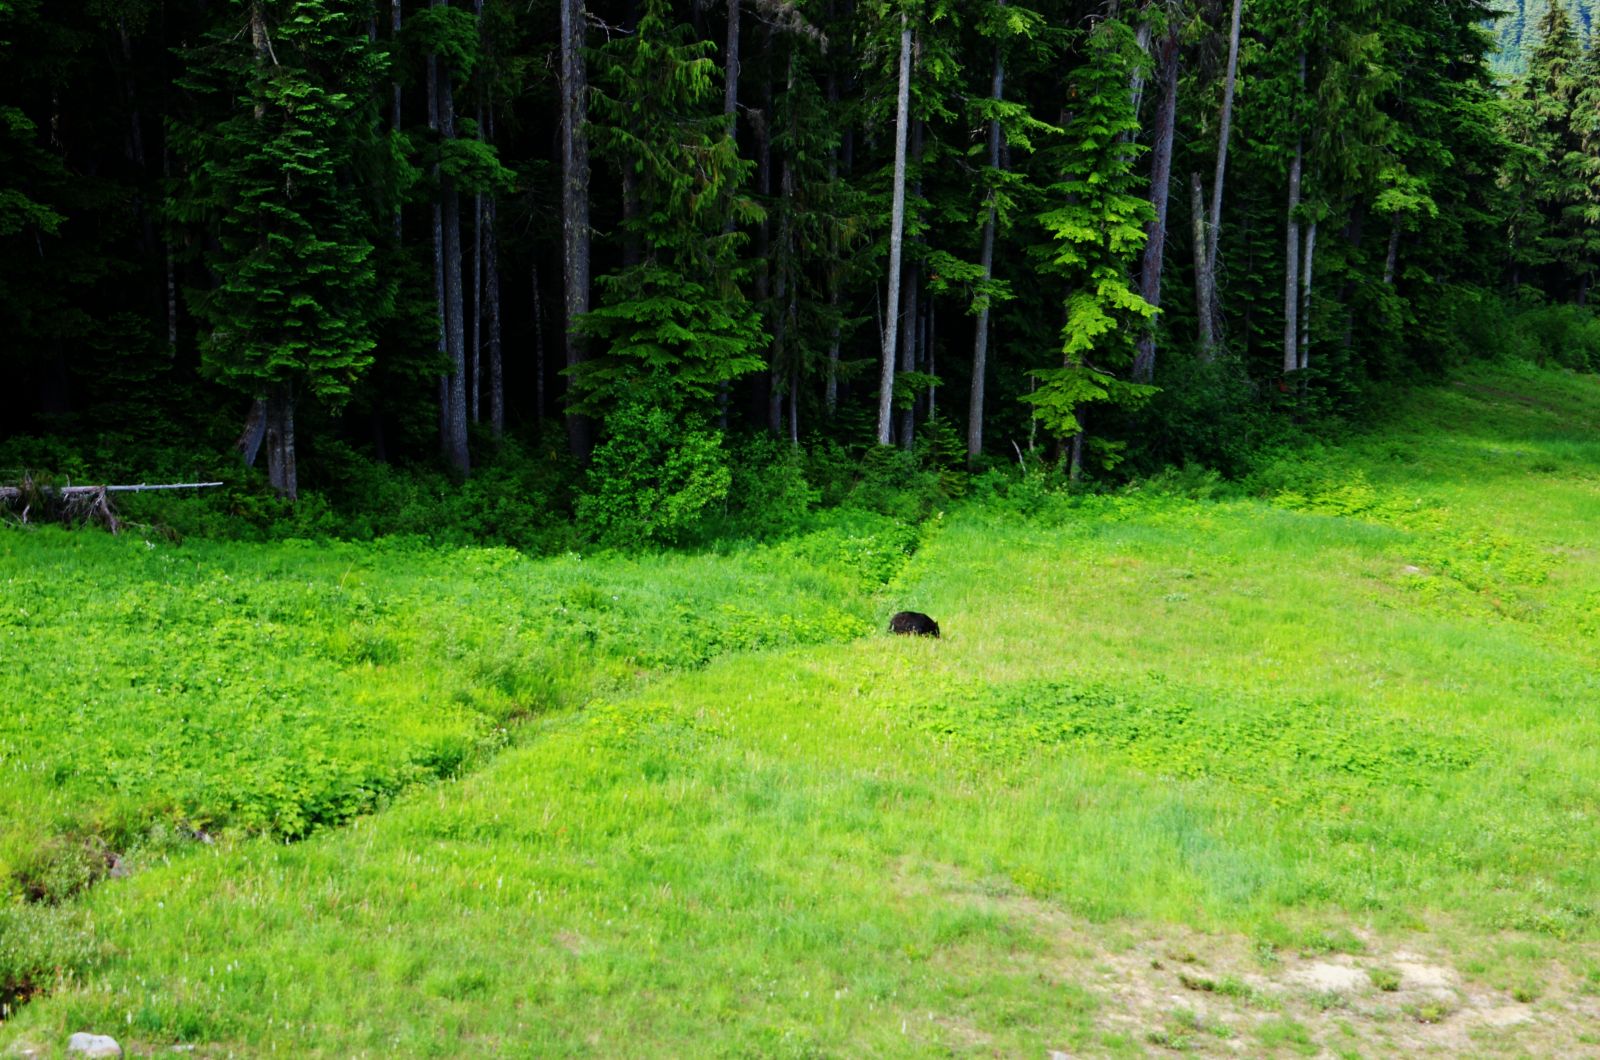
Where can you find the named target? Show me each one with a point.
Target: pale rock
(91, 1045)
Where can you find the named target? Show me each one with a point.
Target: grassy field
(1313, 771)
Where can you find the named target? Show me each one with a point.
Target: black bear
(914, 623)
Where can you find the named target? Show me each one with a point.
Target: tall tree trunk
(897, 221)
(765, 272)
(491, 295)
(1144, 361)
(1291, 290)
(730, 110)
(255, 430)
(575, 203)
(1393, 256)
(912, 319)
(830, 398)
(441, 302)
(491, 306)
(1305, 299)
(1141, 40)
(1206, 266)
(730, 69)
(455, 305)
(171, 268)
(1202, 268)
(538, 344)
(980, 339)
(474, 403)
(394, 102)
(788, 278)
(279, 440)
(276, 428)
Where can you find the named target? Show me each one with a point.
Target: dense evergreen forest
(641, 261)
(1517, 29)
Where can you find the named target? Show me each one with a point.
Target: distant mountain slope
(1517, 30)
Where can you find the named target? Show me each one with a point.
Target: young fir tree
(674, 326)
(1547, 99)
(279, 163)
(1586, 122)
(1097, 229)
(1013, 31)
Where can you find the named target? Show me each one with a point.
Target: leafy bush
(653, 481)
(1487, 325)
(893, 482)
(1566, 336)
(769, 495)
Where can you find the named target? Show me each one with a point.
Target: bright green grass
(279, 688)
(1368, 698)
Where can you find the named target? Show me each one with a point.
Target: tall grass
(1356, 702)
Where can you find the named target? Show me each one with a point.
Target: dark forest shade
(820, 220)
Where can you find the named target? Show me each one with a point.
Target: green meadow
(1305, 765)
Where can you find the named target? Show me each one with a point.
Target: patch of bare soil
(1173, 989)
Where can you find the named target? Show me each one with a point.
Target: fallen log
(72, 504)
(11, 493)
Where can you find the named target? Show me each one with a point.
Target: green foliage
(284, 688)
(768, 496)
(1160, 725)
(668, 341)
(289, 113)
(1097, 230)
(655, 480)
(675, 326)
(451, 33)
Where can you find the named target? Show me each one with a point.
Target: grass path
(1314, 774)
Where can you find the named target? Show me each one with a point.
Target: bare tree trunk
(279, 440)
(911, 320)
(455, 320)
(538, 345)
(831, 391)
(765, 271)
(1393, 257)
(1144, 361)
(1211, 305)
(255, 429)
(730, 69)
(1203, 279)
(1291, 291)
(441, 301)
(172, 270)
(788, 285)
(980, 339)
(1305, 299)
(1075, 466)
(897, 220)
(474, 404)
(575, 202)
(905, 425)
(730, 110)
(1141, 39)
(394, 103)
(491, 306)
(794, 412)
(491, 303)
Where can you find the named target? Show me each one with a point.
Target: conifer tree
(1097, 227)
(675, 325)
(290, 90)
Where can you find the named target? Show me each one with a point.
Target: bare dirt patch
(1172, 988)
